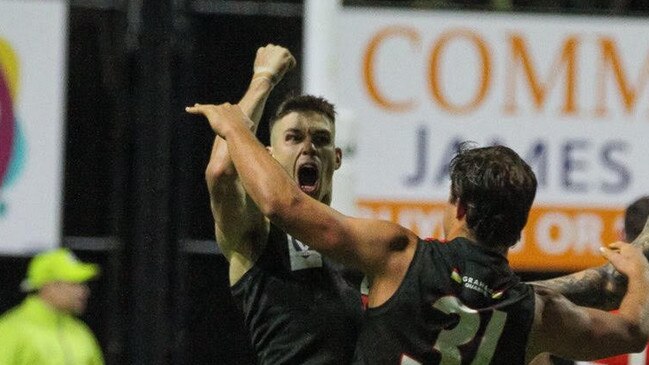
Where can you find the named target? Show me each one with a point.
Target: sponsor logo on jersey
(301, 256)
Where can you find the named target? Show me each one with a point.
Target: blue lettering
(537, 158)
(443, 174)
(421, 158)
(621, 171)
(571, 165)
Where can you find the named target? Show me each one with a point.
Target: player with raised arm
(454, 302)
(296, 306)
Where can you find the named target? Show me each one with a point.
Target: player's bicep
(364, 244)
(239, 225)
(580, 333)
(385, 247)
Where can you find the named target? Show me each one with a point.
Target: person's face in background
(66, 297)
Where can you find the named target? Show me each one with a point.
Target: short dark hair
(497, 189)
(303, 103)
(635, 218)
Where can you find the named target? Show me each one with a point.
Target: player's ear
(460, 210)
(339, 158)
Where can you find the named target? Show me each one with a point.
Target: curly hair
(497, 189)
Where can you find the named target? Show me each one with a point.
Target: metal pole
(151, 237)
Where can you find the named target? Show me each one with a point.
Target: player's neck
(464, 232)
(459, 230)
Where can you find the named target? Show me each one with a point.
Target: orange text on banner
(556, 238)
(629, 83)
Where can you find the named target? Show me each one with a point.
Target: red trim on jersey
(365, 301)
(621, 359)
(616, 360)
(432, 239)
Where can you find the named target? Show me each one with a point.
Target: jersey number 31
(464, 332)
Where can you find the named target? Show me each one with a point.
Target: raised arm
(601, 287)
(365, 244)
(240, 228)
(582, 333)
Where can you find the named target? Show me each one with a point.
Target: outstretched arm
(582, 333)
(239, 225)
(362, 243)
(601, 287)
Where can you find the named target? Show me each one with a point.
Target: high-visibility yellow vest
(34, 333)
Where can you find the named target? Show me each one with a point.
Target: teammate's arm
(368, 245)
(602, 287)
(563, 328)
(239, 225)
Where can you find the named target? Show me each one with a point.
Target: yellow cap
(57, 265)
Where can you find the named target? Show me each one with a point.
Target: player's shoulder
(550, 303)
(547, 295)
(395, 236)
(550, 306)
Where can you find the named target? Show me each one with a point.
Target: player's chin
(311, 190)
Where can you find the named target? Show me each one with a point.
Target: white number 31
(464, 332)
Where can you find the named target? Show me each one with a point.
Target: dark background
(134, 195)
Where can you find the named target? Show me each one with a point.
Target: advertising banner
(32, 87)
(568, 93)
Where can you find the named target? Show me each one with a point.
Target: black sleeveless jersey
(459, 303)
(297, 307)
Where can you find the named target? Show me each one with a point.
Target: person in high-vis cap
(44, 329)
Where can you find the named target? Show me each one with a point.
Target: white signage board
(33, 39)
(568, 93)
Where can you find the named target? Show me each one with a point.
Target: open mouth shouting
(308, 177)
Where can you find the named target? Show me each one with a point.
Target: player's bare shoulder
(549, 302)
(553, 315)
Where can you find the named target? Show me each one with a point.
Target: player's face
(303, 143)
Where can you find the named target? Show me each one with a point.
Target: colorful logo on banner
(12, 141)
